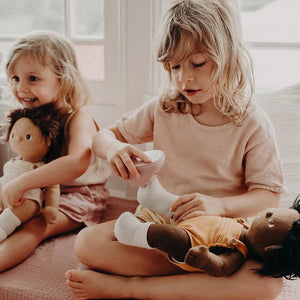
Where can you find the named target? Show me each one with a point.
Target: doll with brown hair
(34, 135)
(213, 244)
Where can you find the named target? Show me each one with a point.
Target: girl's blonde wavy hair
(54, 51)
(211, 27)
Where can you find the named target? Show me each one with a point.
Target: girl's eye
(28, 137)
(199, 65)
(33, 78)
(175, 67)
(15, 78)
(12, 135)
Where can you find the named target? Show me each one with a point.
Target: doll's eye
(269, 214)
(12, 135)
(28, 137)
(271, 222)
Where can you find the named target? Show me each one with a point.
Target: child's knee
(268, 289)
(81, 242)
(272, 288)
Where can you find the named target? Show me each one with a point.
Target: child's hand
(13, 193)
(193, 205)
(120, 157)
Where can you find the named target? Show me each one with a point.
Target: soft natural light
(272, 29)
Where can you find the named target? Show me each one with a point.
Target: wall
(140, 73)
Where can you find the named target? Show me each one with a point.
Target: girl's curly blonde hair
(211, 27)
(54, 51)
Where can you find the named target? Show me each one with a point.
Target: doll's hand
(197, 257)
(120, 157)
(193, 205)
(13, 192)
(50, 213)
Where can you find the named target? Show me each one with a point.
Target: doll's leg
(155, 197)
(14, 216)
(25, 211)
(172, 240)
(105, 253)
(131, 231)
(18, 246)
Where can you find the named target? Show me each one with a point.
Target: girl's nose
(185, 75)
(22, 86)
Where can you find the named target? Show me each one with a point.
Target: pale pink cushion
(42, 275)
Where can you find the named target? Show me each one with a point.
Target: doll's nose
(269, 214)
(18, 138)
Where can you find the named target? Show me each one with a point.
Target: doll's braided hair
(50, 121)
(285, 260)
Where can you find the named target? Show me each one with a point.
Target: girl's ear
(48, 141)
(271, 248)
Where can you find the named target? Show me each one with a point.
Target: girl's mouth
(28, 100)
(190, 92)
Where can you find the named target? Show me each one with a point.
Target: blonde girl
(41, 69)
(221, 158)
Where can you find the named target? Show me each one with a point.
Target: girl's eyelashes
(194, 64)
(175, 67)
(33, 78)
(199, 65)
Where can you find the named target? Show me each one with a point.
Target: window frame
(269, 46)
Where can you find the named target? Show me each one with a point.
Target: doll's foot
(197, 256)
(130, 231)
(155, 197)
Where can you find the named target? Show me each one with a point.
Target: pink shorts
(85, 203)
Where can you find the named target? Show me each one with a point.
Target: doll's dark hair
(49, 119)
(284, 261)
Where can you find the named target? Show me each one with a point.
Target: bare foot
(89, 284)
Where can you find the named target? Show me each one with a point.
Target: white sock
(130, 231)
(8, 223)
(155, 197)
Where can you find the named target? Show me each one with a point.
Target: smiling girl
(42, 69)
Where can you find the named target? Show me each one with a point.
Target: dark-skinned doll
(213, 244)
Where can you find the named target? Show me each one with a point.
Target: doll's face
(27, 141)
(270, 227)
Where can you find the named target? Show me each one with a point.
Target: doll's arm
(215, 265)
(52, 195)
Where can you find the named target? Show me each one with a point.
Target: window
(272, 29)
(80, 20)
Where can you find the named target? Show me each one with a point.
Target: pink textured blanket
(42, 275)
